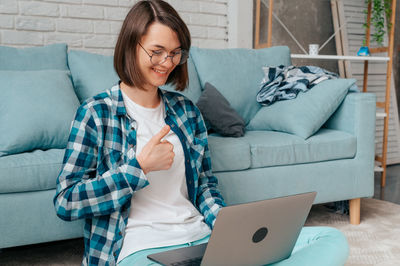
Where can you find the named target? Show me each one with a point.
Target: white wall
(240, 18)
(93, 25)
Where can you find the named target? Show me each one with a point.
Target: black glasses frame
(184, 54)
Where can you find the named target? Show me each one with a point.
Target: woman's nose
(168, 62)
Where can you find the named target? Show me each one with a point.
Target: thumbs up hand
(156, 154)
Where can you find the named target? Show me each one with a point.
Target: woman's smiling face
(157, 39)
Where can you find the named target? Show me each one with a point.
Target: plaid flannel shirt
(100, 171)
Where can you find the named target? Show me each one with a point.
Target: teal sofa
(336, 161)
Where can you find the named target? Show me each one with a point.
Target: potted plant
(380, 9)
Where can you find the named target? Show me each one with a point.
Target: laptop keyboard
(189, 262)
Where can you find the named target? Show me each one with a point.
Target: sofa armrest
(357, 115)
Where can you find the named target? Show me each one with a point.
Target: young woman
(137, 165)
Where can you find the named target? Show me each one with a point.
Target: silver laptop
(255, 233)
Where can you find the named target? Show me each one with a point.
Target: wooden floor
(391, 192)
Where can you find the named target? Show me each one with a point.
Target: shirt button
(115, 254)
(187, 161)
(172, 125)
(120, 233)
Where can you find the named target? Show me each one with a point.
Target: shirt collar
(168, 106)
(117, 101)
(119, 109)
(173, 109)
(119, 106)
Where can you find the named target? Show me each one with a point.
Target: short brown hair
(135, 25)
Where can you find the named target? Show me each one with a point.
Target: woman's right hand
(156, 154)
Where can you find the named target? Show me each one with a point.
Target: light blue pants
(319, 246)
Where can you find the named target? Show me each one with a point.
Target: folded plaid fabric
(285, 82)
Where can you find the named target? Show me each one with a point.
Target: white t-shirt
(161, 213)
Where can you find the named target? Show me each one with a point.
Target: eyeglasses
(160, 56)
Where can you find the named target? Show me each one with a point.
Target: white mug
(313, 49)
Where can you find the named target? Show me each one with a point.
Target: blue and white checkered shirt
(98, 178)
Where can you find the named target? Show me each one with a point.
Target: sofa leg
(355, 209)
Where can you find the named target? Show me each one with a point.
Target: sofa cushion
(271, 148)
(237, 73)
(193, 90)
(91, 73)
(52, 56)
(37, 110)
(218, 113)
(228, 154)
(305, 114)
(30, 171)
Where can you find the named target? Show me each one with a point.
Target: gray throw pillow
(218, 113)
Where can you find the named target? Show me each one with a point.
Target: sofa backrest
(52, 56)
(91, 73)
(237, 73)
(40, 101)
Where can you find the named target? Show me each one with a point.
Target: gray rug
(376, 241)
